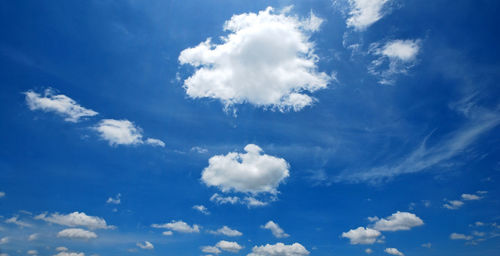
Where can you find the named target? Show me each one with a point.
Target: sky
(257, 128)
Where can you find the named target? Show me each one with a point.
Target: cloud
(4, 240)
(123, 132)
(233, 247)
(398, 221)
(457, 236)
(395, 57)
(427, 245)
(227, 231)
(279, 249)
(393, 251)
(155, 142)
(77, 233)
(178, 226)
(202, 209)
(61, 249)
(368, 251)
(363, 13)
(275, 229)
(362, 235)
(2, 194)
(60, 104)
(210, 249)
(453, 204)
(32, 252)
(266, 60)
(116, 200)
(199, 150)
(218, 199)
(146, 245)
(16, 221)
(75, 219)
(470, 197)
(33, 237)
(250, 172)
(70, 254)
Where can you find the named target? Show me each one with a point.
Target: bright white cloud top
(266, 60)
(393, 251)
(279, 249)
(458, 236)
(362, 235)
(250, 172)
(60, 104)
(228, 246)
(64, 253)
(227, 231)
(398, 221)
(123, 132)
(363, 13)
(75, 219)
(2, 194)
(146, 245)
(178, 226)
(77, 233)
(275, 229)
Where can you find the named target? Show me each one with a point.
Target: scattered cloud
(202, 209)
(61, 249)
(15, 220)
(398, 221)
(368, 251)
(77, 233)
(146, 245)
(199, 150)
(275, 229)
(218, 199)
(66, 253)
(75, 219)
(227, 231)
(167, 233)
(453, 204)
(227, 246)
(33, 237)
(279, 249)
(470, 197)
(457, 236)
(393, 251)
(32, 252)
(210, 249)
(2, 194)
(155, 142)
(119, 132)
(178, 226)
(250, 172)
(4, 240)
(115, 200)
(60, 104)
(427, 245)
(266, 60)
(394, 57)
(364, 13)
(362, 235)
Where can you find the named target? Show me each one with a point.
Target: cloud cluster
(279, 249)
(60, 104)
(456, 204)
(398, 221)
(362, 235)
(178, 226)
(75, 219)
(266, 60)
(222, 245)
(275, 229)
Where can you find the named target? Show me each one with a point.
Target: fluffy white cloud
(398, 221)
(76, 233)
(250, 172)
(75, 219)
(279, 249)
(457, 236)
(368, 251)
(32, 252)
(227, 231)
(167, 233)
(15, 220)
(453, 204)
(178, 226)
(119, 132)
(363, 13)
(393, 251)
(65, 253)
(362, 235)
(202, 209)
(470, 197)
(33, 237)
(155, 142)
(60, 104)
(116, 200)
(395, 57)
(275, 229)
(266, 60)
(146, 245)
(254, 202)
(2, 194)
(210, 249)
(218, 199)
(229, 246)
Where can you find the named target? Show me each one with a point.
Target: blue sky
(260, 128)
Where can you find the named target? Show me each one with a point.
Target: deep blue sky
(363, 149)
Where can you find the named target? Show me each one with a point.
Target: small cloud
(362, 235)
(470, 197)
(275, 229)
(155, 142)
(33, 237)
(398, 221)
(457, 236)
(368, 251)
(453, 204)
(179, 226)
(202, 209)
(77, 233)
(2, 194)
(227, 231)
(116, 200)
(199, 150)
(427, 245)
(15, 220)
(393, 251)
(146, 245)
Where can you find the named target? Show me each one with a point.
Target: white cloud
(254, 202)
(362, 235)
(32, 252)
(75, 219)
(202, 209)
(218, 199)
(393, 251)
(2, 194)
(199, 150)
(33, 237)
(275, 229)
(60, 104)
(76, 233)
(227, 231)
(16, 221)
(395, 57)
(470, 197)
(4, 254)
(279, 249)
(453, 204)
(119, 132)
(457, 236)
(70, 254)
(368, 251)
(398, 221)
(155, 142)
(146, 245)
(178, 226)
(210, 249)
(363, 13)
(229, 246)
(250, 172)
(266, 60)
(4, 240)
(61, 249)
(167, 233)
(116, 200)
(427, 245)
